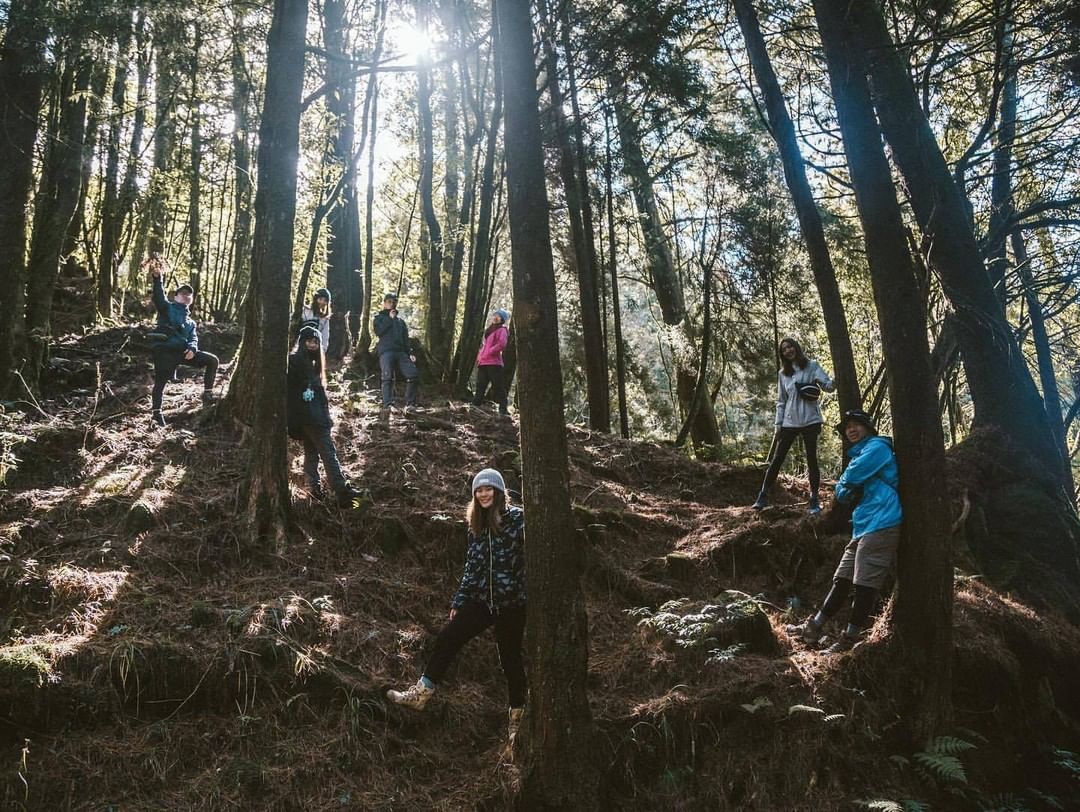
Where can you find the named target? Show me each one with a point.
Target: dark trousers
(166, 362)
(318, 445)
(787, 436)
(470, 620)
(389, 362)
(491, 375)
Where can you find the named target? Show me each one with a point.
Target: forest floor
(152, 659)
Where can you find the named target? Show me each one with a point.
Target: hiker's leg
(482, 381)
(386, 370)
(469, 621)
(783, 445)
(411, 375)
(311, 461)
(509, 632)
(810, 441)
(324, 443)
(164, 367)
(498, 388)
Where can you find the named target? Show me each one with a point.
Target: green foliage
(939, 760)
(701, 629)
(1068, 761)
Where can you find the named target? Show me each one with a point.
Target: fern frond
(942, 766)
(804, 709)
(948, 746)
(833, 717)
(882, 805)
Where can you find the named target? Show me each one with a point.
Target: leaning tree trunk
(266, 328)
(783, 132)
(1001, 384)
(22, 79)
(557, 772)
(924, 594)
(57, 199)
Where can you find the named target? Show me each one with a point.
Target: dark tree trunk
(665, 280)
(57, 199)
(241, 102)
(924, 593)
(166, 78)
(22, 79)
(588, 296)
(613, 270)
(261, 370)
(195, 252)
(783, 132)
(1001, 197)
(129, 189)
(111, 223)
(557, 771)
(1000, 382)
(99, 80)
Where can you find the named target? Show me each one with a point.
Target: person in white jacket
(800, 382)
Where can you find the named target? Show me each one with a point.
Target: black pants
(318, 444)
(166, 362)
(787, 436)
(470, 620)
(493, 375)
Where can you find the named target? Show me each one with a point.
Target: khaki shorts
(868, 559)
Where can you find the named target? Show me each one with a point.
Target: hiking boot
(208, 397)
(157, 419)
(814, 508)
(347, 495)
(415, 697)
(809, 631)
(845, 642)
(761, 502)
(514, 725)
(412, 411)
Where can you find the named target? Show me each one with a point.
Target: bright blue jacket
(174, 320)
(872, 468)
(495, 566)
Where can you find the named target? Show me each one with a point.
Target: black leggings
(493, 375)
(470, 620)
(862, 605)
(166, 362)
(787, 436)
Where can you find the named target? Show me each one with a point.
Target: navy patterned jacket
(495, 566)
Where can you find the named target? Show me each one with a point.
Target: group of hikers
(492, 590)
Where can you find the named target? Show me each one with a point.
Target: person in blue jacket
(395, 355)
(177, 340)
(491, 593)
(870, 482)
(308, 413)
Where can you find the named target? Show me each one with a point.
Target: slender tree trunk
(99, 80)
(111, 225)
(57, 199)
(665, 280)
(557, 771)
(588, 296)
(129, 189)
(924, 594)
(817, 247)
(195, 252)
(452, 201)
(241, 105)
(266, 328)
(1001, 197)
(1000, 382)
(22, 80)
(166, 79)
(613, 269)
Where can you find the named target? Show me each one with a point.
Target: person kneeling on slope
(492, 593)
(870, 482)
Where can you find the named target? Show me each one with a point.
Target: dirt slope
(152, 660)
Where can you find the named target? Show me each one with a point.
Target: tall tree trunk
(452, 201)
(783, 132)
(57, 199)
(111, 224)
(433, 325)
(613, 270)
(195, 252)
(924, 594)
(266, 328)
(665, 280)
(167, 34)
(1000, 382)
(241, 106)
(22, 79)
(472, 319)
(129, 189)
(557, 772)
(343, 260)
(99, 80)
(1001, 197)
(588, 296)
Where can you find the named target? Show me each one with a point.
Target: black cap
(184, 287)
(309, 331)
(388, 296)
(324, 294)
(858, 416)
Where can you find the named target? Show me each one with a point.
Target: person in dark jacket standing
(489, 362)
(394, 355)
(177, 340)
(870, 482)
(309, 416)
(491, 593)
(800, 382)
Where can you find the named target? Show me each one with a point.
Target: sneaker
(814, 508)
(208, 397)
(761, 502)
(845, 642)
(415, 697)
(157, 419)
(809, 632)
(412, 411)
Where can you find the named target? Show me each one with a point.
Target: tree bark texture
(22, 79)
(783, 132)
(266, 329)
(556, 772)
(924, 593)
(613, 270)
(241, 104)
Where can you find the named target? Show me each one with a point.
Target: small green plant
(882, 805)
(1068, 761)
(940, 762)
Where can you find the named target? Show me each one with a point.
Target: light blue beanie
(489, 477)
(503, 314)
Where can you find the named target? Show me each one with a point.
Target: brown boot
(512, 730)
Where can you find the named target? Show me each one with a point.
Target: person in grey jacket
(798, 414)
(395, 355)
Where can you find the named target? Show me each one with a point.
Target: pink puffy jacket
(491, 350)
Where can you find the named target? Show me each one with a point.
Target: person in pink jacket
(489, 361)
